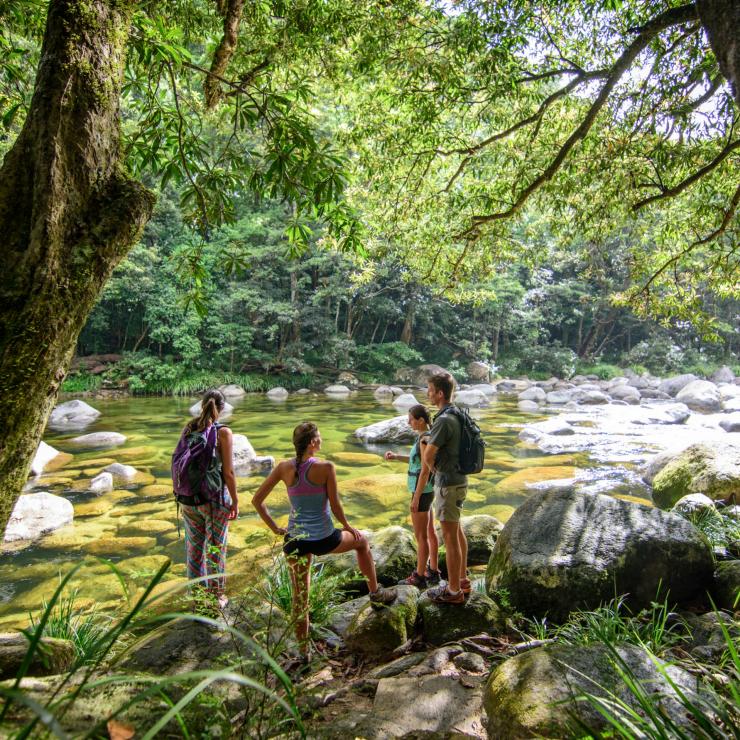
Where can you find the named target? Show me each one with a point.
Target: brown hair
(420, 412)
(443, 382)
(211, 406)
(303, 435)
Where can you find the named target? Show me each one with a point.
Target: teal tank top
(415, 468)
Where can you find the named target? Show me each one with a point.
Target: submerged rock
(564, 550)
(124, 472)
(99, 440)
(533, 694)
(72, 415)
(713, 471)
(441, 623)
(554, 427)
(36, 514)
(102, 483)
(396, 429)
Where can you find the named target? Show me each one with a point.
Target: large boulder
(441, 623)
(534, 694)
(700, 395)
(693, 504)
(232, 391)
(535, 432)
(481, 531)
(713, 471)
(393, 550)
(52, 656)
(337, 391)
(392, 430)
(590, 397)
(671, 413)
(673, 385)
(405, 401)
(246, 460)
(731, 423)
(563, 550)
(558, 398)
(98, 440)
(535, 393)
(471, 398)
(378, 631)
(277, 394)
(726, 585)
(36, 514)
(44, 455)
(723, 375)
(72, 415)
(421, 374)
(627, 393)
(478, 371)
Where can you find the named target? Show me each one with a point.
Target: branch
(225, 50)
(691, 179)
(647, 33)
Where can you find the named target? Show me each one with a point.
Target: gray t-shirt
(445, 435)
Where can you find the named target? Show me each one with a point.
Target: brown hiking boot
(383, 596)
(433, 577)
(445, 596)
(466, 586)
(414, 580)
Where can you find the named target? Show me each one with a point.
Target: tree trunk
(68, 215)
(296, 325)
(721, 20)
(408, 323)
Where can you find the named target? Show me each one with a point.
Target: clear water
(135, 526)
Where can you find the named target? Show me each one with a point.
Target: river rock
(102, 483)
(728, 391)
(535, 432)
(53, 656)
(726, 585)
(232, 391)
(72, 415)
(421, 374)
(692, 504)
(700, 395)
(528, 406)
(441, 623)
(481, 531)
(44, 455)
(485, 388)
(478, 370)
(708, 641)
(471, 398)
(589, 397)
(395, 430)
(36, 514)
(383, 392)
(731, 423)
(337, 391)
(98, 440)
(197, 407)
(120, 471)
(654, 394)
(723, 375)
(673, 385)
(565, 550)
(378, 631)
(533, 694)
(558, 398)
(244, 454)
(533, 394)
(277, 394)
(713, 471)
(347, 378)
(405, 401)
(397, 391)
(731, 405)
(470, 662)
(627, 393)
(674, 413)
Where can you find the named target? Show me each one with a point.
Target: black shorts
(425, 501)
(300, 546)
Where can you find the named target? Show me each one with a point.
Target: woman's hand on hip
(354, 532)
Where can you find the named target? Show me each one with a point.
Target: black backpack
(472, 447)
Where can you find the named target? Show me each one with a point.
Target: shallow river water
(135, 526)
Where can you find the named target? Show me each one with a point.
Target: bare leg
(433, 543)
(420, 520)
(463, 540)
(451, 535)
(300, 576)
(364, 557)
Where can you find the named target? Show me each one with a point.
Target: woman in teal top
(421, 488)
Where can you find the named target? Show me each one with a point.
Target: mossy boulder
(533, 694)
(376, 631)
(713, 471)
(52, 655)
(481, 531)
(565, 550)
(441, 623)
(726, 585)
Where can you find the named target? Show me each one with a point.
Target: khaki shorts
(448, 502)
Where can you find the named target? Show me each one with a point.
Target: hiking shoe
(383, 596)
(433, 577)
(466, 586)
(445, 596)
(414, 580)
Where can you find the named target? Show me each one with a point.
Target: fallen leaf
(119, 730)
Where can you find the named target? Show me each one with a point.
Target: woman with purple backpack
(207, 522)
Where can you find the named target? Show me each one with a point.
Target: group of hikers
(435, 484)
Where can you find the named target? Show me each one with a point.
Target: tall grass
(266, 689)
(720, 529)
(81, 383)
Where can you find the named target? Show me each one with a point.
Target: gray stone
(533, 394)
(708, 641)
(565, 550)
(535, 432)
(590, 397)
(395, 667)
(723, 375)
(731, 423)
(627, 393)
(654, 394)
(470, 662)
(232, 391)
(529, 406)
(701, 395)
(337, 390)
(512, 386)
(347, 378)
(481, 531)
(674, 413)
(533, 694)
(344, 614)
(471, 398)
(53, 656)
(383, 392)
(405, 401)
(485, 388)
(377, 631)
(713, 471)
(72, 415)
(479, 370)
(693, 503)
(673, 385)
(726, 585)
(277, 394)
(44, 455)
(558, 398)
(122, 472)
(36, 514)
(102, 483)
(441, 623)
(98, 440)
(728, 391)
(197, 407)
(396, 429)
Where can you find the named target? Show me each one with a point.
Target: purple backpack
(196, 478)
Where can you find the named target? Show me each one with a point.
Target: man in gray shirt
(450, 489)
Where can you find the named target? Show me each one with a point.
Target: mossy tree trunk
(68, 215)
(721, 20)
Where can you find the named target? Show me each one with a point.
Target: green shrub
(383, 360)
(81, 383)
(603, 370)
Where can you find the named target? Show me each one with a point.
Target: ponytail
(303, 435)
(211, 406)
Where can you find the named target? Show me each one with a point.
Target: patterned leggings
(206, 529)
